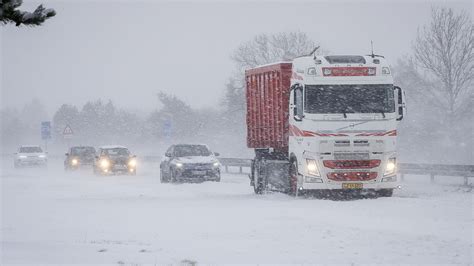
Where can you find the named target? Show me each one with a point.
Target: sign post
(46, 132)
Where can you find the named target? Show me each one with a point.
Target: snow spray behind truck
(324, 123)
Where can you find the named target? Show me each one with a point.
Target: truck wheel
(258, 182)
(388, 192)
(293, 178)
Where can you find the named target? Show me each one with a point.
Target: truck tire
(259, 182)
(387, 192)
(293, 179)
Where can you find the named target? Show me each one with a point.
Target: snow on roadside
(51, 217)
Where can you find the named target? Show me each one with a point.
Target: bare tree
(264, 49)
(444, 50)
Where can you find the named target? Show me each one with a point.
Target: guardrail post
(432, 178)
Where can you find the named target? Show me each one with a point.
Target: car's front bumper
(31, 162)
(191, 175)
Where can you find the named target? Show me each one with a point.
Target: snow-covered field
(52, 217)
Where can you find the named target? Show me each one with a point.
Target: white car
(189, 163)
(31, 155)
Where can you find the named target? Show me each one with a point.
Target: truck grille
(352, 176)
(351, 164)
(351, 156)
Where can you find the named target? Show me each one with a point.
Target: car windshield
(30, 149)
(117, 152)
(191, 150)
(332, 99)
(82, 151)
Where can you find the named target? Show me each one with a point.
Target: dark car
(78, 157)
(114, 160)
(189, 162)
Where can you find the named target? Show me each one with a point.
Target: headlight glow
(216, 164)
(132, 163)
(74, 161)
(391, 166)
(22, 156)
(312, 167)
(104, 163)
(179, 165)
(42, 156)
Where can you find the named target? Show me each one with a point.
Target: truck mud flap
(277, 172)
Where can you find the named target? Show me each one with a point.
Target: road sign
(67, 132)
(168, 128)
(46, 130)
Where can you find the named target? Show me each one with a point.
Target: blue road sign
(168, 128)
(45, 130)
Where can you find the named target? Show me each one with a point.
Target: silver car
(30, 155)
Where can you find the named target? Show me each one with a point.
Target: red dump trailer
(268, 92)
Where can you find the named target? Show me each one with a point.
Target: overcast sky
(127, 51)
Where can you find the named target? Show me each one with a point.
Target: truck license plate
(352, 185)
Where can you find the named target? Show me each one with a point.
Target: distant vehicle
(189, 162)
(79, 156)
(114, 160)
(31, 155)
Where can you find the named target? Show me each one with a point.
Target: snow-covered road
(52, 217)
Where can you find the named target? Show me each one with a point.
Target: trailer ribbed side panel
(267, 96)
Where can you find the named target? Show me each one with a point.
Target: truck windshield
(332, 99)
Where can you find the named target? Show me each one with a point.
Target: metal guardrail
(433, 170)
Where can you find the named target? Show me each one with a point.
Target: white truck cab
(344, 113)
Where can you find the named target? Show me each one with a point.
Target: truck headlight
(104, 163)
(391, 167)
(132, 163)
(74, 161)
(312, 167)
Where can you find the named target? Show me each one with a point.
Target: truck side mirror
(298, 103)
(67, 154)
(401, 107)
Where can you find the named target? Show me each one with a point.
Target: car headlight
(216, 164)
(391, 166)
(312, 167)
(179, 165)
(74, 161)
(132, 163)
(104, 163)
(42, 156)
(22, 156)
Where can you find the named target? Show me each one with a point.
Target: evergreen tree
(10, 14)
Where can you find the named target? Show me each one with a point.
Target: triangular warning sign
(67, 130)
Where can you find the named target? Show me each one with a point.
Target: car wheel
(163, 178)
(172, 176)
